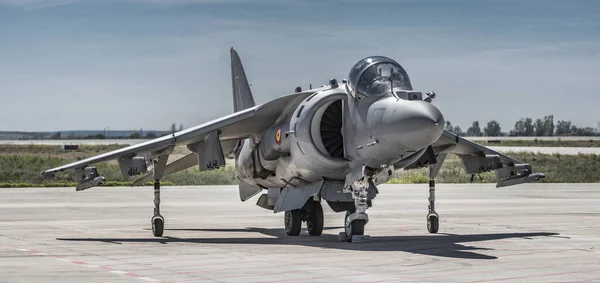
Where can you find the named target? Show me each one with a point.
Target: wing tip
(47, 175)
(531, 178)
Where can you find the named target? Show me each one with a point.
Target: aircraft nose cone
(420, 124)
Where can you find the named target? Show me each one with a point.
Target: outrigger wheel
(158, 225)
(433, 223)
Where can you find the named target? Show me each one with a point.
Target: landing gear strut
(158, 222)
(433, 219)
(357, 218)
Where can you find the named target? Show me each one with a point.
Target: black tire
(293, 222)
(158, 225)
(433, 224)
(357, 227)
(314, 224)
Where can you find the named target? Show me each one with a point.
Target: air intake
(331, 130)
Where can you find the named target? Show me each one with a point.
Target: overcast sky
(68, 64)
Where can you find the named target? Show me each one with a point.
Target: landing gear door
(210, 152)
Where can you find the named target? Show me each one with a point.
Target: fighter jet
(333, 143)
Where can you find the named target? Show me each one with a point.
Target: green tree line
(525, 127)
(136, 135)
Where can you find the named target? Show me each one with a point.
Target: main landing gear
(158, 222)
(311, 213)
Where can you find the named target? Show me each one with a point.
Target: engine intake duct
(331, 130)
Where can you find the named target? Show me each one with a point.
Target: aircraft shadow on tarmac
(442, 245)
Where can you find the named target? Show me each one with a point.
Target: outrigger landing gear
(158, 222)
(433, 219)
(357, 218)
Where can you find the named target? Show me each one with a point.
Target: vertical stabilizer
(242, 95)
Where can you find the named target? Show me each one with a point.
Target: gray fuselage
(333, 132)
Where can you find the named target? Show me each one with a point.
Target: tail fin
(242, 95)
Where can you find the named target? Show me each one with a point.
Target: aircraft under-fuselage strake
(334, 143)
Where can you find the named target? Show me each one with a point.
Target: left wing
(235, 126)
(477, 159)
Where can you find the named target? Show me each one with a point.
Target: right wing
(477, 159)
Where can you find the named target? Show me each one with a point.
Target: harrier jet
(334, 143)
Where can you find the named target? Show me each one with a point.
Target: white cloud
(39, 4)
(29, 5)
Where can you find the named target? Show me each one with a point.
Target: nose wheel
(433, 223)
(353, 228)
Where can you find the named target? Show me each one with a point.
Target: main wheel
(357, 227)
(314, 224)
(158, 225)
(293, 222)
(433, 223)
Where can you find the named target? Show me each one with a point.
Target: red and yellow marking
(278, 136)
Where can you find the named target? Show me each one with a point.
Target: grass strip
(21, 167)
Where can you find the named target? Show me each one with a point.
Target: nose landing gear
(357, 218)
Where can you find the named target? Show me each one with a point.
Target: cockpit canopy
(377, 75)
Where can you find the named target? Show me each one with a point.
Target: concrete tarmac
(526, 233)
